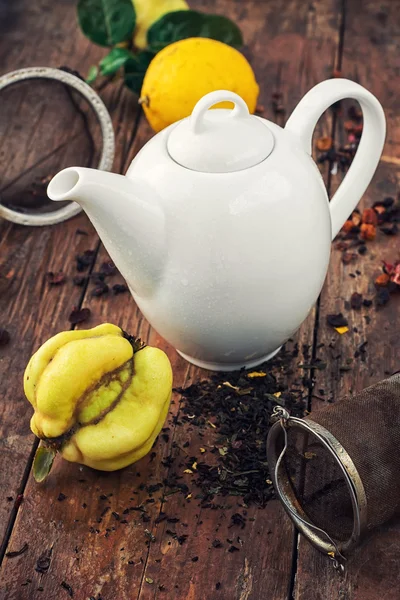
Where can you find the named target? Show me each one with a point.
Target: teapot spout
(127, 217)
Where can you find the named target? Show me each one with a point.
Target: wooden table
(292, 45)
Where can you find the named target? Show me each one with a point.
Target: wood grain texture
(31, 310)
(292, 46)
(370, 57)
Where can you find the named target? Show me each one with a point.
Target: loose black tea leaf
(337, 320)
(79, 280)
(356, 301)
(83, 261)
(108, 268)
(119, 288)
(43, 562)
(4, 337)
(55, 278)
(14, 553)
(100, 289)
(236, 465)
(382, 297)
(67, 588)
(79, 315)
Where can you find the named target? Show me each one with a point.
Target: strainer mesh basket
(352, 445)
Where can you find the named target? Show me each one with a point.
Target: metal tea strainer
(49, 119)
(337, 471)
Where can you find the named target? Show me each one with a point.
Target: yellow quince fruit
(99, 397)
(148, 12)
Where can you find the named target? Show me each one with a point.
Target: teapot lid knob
(220, 140)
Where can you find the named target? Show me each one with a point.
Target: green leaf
(135, 70)
(182, 24)
(43, 462)
(114, 60)
(107, 22)
(91, 76)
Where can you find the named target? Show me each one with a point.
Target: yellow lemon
(185, 71)
(148, 12)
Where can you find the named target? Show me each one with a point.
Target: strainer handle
(302, 123)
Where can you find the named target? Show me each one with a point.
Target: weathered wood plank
(95, 564)
(371, 57)
(38, 34)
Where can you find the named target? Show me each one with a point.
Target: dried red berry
(324, 143)
(348, 226)
(370, 217)
(382, 280)
(367, 232)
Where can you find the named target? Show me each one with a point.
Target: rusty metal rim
(286, 494)
(102, 114)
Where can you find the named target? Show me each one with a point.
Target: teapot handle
(302, 123)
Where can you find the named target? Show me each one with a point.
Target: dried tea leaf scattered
(4, 337)
(337, 320)
(15, 553)
(79, 315)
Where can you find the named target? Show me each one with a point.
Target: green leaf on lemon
(107, 22)
(135, 70)
(115, 59)
(182, 24)
(92, 74)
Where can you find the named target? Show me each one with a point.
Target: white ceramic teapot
(222, 226)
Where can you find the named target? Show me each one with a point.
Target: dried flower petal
(342, 330)
(256, 374)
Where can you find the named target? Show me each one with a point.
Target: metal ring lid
(102, 114)
(286, 494)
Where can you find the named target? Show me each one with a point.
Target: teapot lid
(220, 140)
